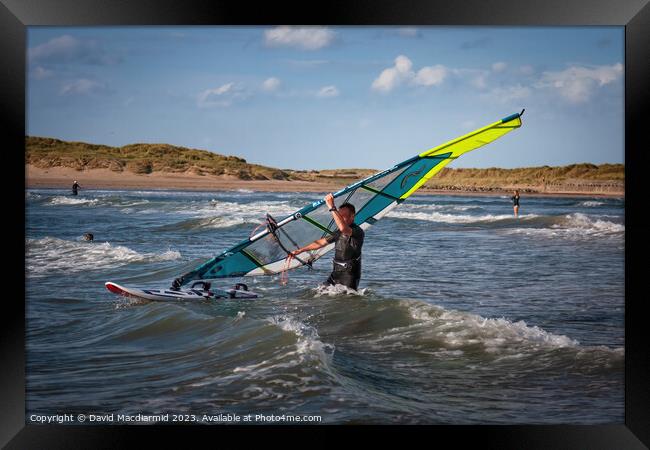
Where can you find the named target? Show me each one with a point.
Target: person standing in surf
(347, 251)
(75, 186)
(515, 202)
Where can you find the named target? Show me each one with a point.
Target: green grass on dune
(142, 159)
(148, 158)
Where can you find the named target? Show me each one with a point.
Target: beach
(62, 177)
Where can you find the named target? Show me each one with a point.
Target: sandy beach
(63, 177)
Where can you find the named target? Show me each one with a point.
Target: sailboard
(265, 252)
(202, 292)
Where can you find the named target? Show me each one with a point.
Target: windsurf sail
(265, 252)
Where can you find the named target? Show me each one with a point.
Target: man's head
(347, 212)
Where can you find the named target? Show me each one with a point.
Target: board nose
(111, 287)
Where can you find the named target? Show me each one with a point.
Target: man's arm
(342, 226)
(313, 246)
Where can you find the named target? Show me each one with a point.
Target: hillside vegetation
(142, 159)
(603, 177)
(148, 158)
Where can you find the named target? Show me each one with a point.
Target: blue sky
(333, 97)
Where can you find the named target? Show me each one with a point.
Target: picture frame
(16, 16)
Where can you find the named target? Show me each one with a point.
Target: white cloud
(39, 73)
(499, 66)
(271, 84)
(84, 86)
(403, 64)
(222, 96)
(387, 80)
(306, 38)
(578, 84)
(328, 91)
(431, 76)
(393, 76)
(66, 49)
(402, 72)
(63, 46)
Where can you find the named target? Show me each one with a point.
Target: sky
(333, 97)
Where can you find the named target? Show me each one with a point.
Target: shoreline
(62, 178)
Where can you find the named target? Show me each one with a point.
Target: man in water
(75, 186)
(515, 202)
(347, 250)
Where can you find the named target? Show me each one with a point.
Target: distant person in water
(515, 202)
(347, 250)
(75, 186)
(88, 237)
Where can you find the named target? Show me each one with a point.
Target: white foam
(308, 343)
(436, 207)
(458, 329)
(456, 218)
(337, 289)
(61, 200)
(221, 222)
(225, 214)
(576, 226)
(52, 254)
(586, 223)
(590, 204)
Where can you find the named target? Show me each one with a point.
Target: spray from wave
(457, 218)
(576, 226)
(337, 290)
(52, 254)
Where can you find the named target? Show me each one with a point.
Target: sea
(464, 314)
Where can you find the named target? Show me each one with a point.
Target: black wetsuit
(515, 200)
(347, 257)
(74, 188)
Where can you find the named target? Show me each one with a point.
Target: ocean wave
(460, 329)
(576, 226)
(62, 200)
(205, 223)
(438, 207)
(109, 201)
(309, 343)
(457, 218)
(452, 334)
(336, 290)
(591, 203)
(50, 254)
(223, 214)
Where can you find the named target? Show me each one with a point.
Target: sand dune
(62, 177)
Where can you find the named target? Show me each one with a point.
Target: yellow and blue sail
(265, 252)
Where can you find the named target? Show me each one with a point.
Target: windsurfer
(515, 202)
(349, 240)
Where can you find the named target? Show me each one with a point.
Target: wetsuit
(515, 200)
(347, 257)
(74, 188)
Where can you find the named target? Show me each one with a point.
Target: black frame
(634, 15)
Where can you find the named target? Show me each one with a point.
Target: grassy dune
(574, 177)
(143, 159)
